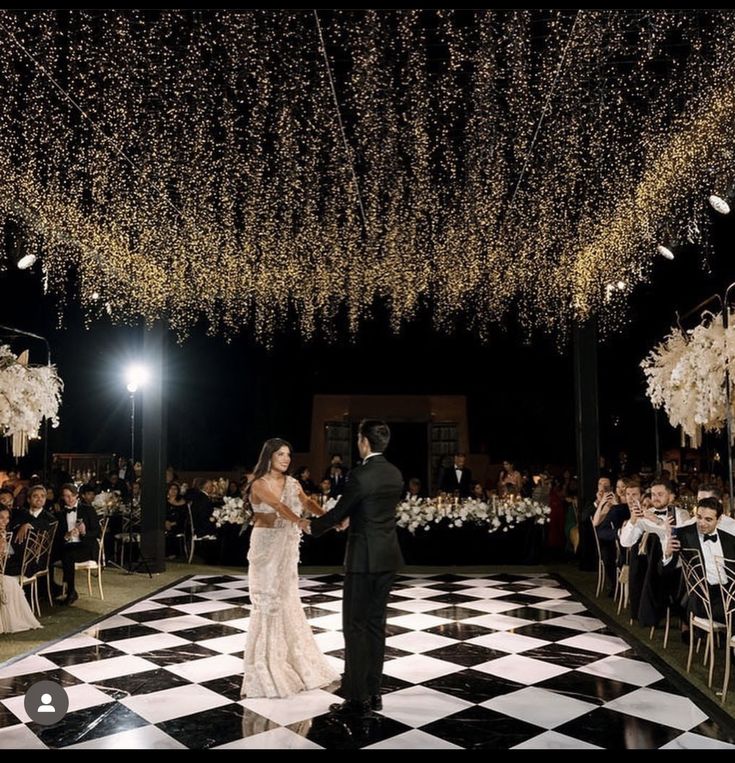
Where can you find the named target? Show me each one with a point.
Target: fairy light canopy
(250, 166)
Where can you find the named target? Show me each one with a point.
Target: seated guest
(704, 540)
(414, 490)
(325, 491)
(7, 497)
(510, 480)
(35, 517)
(79, 531)
(15, 613)
(477, 492)
(652, 592)
(303, 475)
(201, 509)
(175, 521)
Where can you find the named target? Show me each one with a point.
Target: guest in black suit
(201, 509)
(703, 537)
(457, 478)
(79, 531)
(373, 557)
(35, 517)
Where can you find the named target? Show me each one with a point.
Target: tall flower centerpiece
(28, 394)
(686, 373)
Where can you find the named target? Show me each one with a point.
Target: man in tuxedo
(78, 530)
(650, 591)
(22, 521)
(704, 537)
(373, 557)
(457, 478)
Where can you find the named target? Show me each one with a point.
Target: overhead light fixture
(26, 261)
(621, 285)
(719, 204)
(664, 251)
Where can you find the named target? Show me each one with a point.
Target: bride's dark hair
(266, 454)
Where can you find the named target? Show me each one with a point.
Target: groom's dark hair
(376, 432)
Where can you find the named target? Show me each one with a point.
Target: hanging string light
(501, 164)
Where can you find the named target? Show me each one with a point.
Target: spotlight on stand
(136, 376)
(664, 251)
(719, 204)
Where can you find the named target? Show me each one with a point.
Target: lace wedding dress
(281, 657)
(15, 614)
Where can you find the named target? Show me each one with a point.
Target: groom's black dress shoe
(376, 702)
(351, 708)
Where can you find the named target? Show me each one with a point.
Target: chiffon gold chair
(695, 579)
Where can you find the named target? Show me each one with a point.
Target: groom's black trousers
(363, 624)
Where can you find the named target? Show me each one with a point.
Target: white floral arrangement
(28, 394)
(418, 512)
(510, 512)
(232, 512)
(685, 376)
(107, 502)
(422, 513)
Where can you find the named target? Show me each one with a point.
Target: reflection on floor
(509, 661)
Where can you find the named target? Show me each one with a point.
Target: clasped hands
(76, 532)
(305, 525)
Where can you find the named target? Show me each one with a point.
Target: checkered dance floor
(508, 661)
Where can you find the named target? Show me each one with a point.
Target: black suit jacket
(448, 481)
(371, 494)
(688, 537)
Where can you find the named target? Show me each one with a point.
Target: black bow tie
(69, 511)
(712, 537)
(661, 513)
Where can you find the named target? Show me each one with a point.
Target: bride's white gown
(15, 613)
(281, 656)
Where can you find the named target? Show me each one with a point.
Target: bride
(15, 614)
(281, 657)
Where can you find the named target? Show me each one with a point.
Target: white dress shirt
(71, 523)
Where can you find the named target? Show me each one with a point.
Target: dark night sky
(224, 399)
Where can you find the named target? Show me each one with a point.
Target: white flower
(686, 376)
(232, 512)
(28, 394)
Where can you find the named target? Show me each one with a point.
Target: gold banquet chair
(94, 565)
(193, 537)
(695, 579)
(600, 563)
(727, 589)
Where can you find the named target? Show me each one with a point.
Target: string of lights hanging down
(252, 167)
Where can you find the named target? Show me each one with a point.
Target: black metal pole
(153, 493)
(658, 446)
(587, 435)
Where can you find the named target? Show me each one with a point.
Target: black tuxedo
(372, 492)
(201, 511)
(18, 518)
(448, 482)
(85, 549)
(688, 537)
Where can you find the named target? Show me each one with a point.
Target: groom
(371, 494)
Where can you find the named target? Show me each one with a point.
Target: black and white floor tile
(508, 661)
